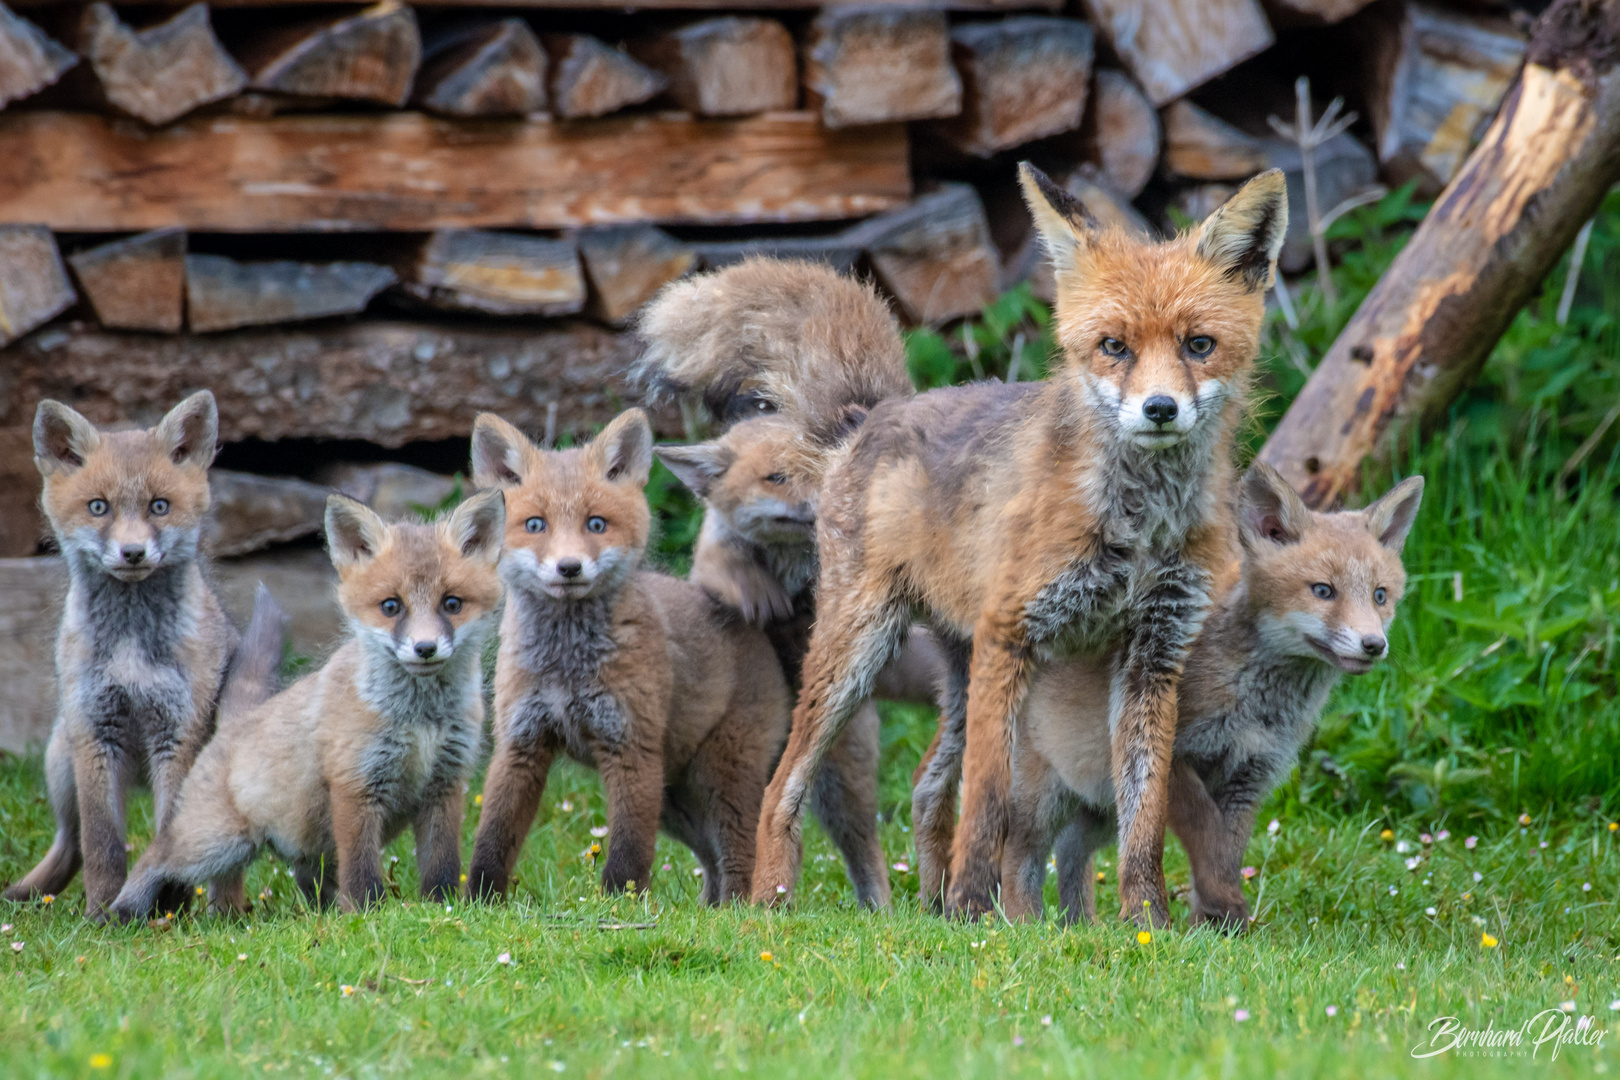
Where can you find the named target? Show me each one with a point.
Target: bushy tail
(773, 335)
(254, 675)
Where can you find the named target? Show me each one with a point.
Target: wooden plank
(138, 283)
(371, 55)
(591, 78)
(626, 264)
(406, 171)
(1122, 135)
(489, 69)
(729, 66)
(1172, 46)
(1023, 78)
(224, 294)
(29, 61)
(34, 285)
(875, 65)
(161, 73)
(496, 273)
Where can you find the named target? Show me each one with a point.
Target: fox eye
(391, 607)
(451, 604)
(596, 524)
(1379, 596)
(1200, 345)
(160, 507)
(776, 478)
(98, 508)
(535, 524)
(1322, 591)
(1113, 346)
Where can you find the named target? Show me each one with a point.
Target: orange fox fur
(1077, 516)
(382, 737)
(143, 643)
(679, 705)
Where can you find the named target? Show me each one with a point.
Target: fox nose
(569, 568)
(133, 554)
(1373, 645)
(1160, 408)
(427, 650)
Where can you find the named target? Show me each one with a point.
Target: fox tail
(254, 674)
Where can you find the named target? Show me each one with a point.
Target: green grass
(1497, 704)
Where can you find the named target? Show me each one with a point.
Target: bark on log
(874, 65)
(368, 56)
(1201, 146)
(1172, 46)
(252, 512)
(81, 173)
(1540, 172)
(161, 73)
(934, 256)
(626, 264)
(496, 273)
(29, 61)
(138, 283)
(224, 294)
(34, 285)
(1432, 79)
(1121, 135)
(591, 78)
(1023, 78)
(493, 69)
(729, 66)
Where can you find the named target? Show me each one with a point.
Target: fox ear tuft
(697, 466)
(1063, 222)
(478, 526)
(1391, 517)
(497, 452)
(191, 430)
(354, 532)
(63, 439)
(1245, 234)
(1271, 511)
(625, 448)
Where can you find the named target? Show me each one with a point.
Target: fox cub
(678, 704)
(1312, 596)
(143, 643)
(383, 736)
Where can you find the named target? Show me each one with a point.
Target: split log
(730, 66)
(496, 273)
(493, 69)
(1121, 135)
(394, 490)
(1312, 12)
(252, 512)
(591, 78)
(1023, 78)
(1171, 46)
(656, 5)
(934, 256)
(161, 73)
(369, 56)
(138, 283)
(840, 251)
(223, 294)
(29, 61)
(31, 596)
(81, 173)
(1432, 80)
(1540, 172)
(626, 264)
(874, 65)
(34, 285)
(1200, 146)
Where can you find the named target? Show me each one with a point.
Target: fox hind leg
(934, 785)
(1076, 847)
(845, 802)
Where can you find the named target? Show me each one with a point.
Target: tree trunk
(138, 283)
(1511, 211)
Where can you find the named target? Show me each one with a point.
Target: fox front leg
(438, 844)
(633, 777)
(1215, 833)
(357, 828)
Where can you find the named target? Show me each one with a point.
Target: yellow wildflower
(1143, 937)
(1486, 941)
(101, 1061)
(478, 800)
(1387, 835)
(767, 957)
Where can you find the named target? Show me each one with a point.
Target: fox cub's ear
(624, 449)
(354, 532)
(697, 466)
(1245, 234)
(191, 431)
(1270, 509)
(62, 438)
(477, 525)
(1391, 517)
(497, 452)
(1064, 224)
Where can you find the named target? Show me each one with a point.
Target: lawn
(1493, 730)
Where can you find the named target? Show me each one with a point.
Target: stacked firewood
(360, 226)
